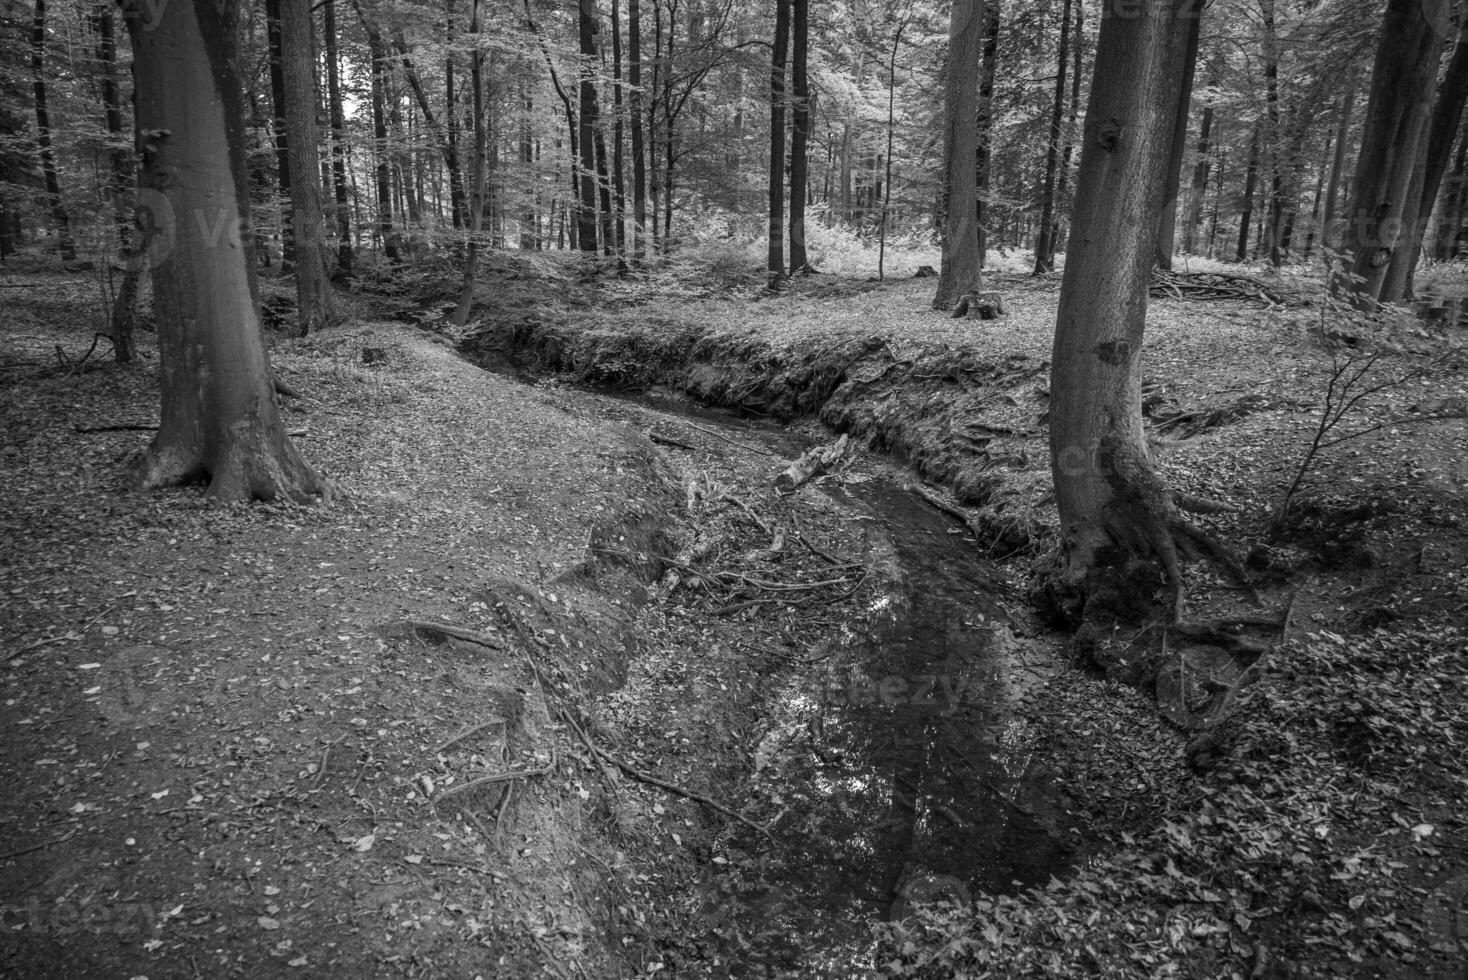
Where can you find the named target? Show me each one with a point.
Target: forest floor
(237, 744)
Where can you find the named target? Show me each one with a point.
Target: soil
(232, 752)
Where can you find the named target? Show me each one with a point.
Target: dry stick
(325, 755)
(944, 506)
(496, 720)
(37, 847)
(457, 632)
(745, 507)
(665, 441)
(47, 640)
(677, 790)
(497, 777)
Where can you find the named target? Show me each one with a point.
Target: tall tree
(382, 172)
(1198, 188)
(799, 133)
(775, 264)
(961, 267)
(313, 289)
(586, 214)
(123, 313)
(1251, 177)
(477, 181)
(1402, 79)
(66, 245)
(1115, 513)
(635, 119)
(338, 140)
(1434, 154)
(280, 130)
(984, 125)
(1167, 220)
(1045, 244)
(219, 418)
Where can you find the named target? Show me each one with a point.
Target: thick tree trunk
(619, 161)
(799, 133)
(1397, 113)
(66, 246)
(338, 142)
(586, 214)
(775, 264)
(122, 315)
(1437, 149)
(960, 272)
(313, 288)
(1167, 221)
(219, 416)
(1449, 238)
(1115, 515)
(1045, 244)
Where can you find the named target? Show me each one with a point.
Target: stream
(906, 770)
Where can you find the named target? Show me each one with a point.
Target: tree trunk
(1397, 113)
(1334, 224)
(313, 289)
(775, 264)
(799, 134)
(476, 192)
(1450, 238)
(619, 162)
(219, 417)
(1437, 150)
(634, 112)
(1199, 187)
(959, 203)
(1045, 243)
(1167, 222)
(279, 129)
(43, 135)
(338, 142)
(1251, 177)
(1272, 136)
(586, 214)
(984, 126)
(1114, 510)
(1078, 47)
(379, 147)
(122, 315)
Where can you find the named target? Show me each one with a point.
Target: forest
(697, 488)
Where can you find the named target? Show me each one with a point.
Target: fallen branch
(468, 733)
(944, 506)
(745, 507)
(812, 463)
(732, 442)
(677, 790)
(498, 777)
(48, 640)
(665, 441)
(39, 847)
(448, 630)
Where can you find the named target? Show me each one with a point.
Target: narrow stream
(907, 773)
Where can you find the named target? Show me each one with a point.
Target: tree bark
(619, 161)
(775, 264)
(1334, 224)
(1397, 113)
(960, 272)
(66, 245)
(219, 418)
(634, 112)
(338, 142)
(1251, 177)
(279, 130)
(1167, 222)
(379, 148)
(1078, 47)
(476, 192)
(1199, 187)
(1045, 243)
(799, 133)
(984, 126)
(122, 315)
(1450, 239)
(1115, 513)
(586, 214)
(1437, 149)
(313, 288)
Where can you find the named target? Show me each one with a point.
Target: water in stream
(905, 769)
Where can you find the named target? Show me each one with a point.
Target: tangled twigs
(1211, 285)
(498, 777)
